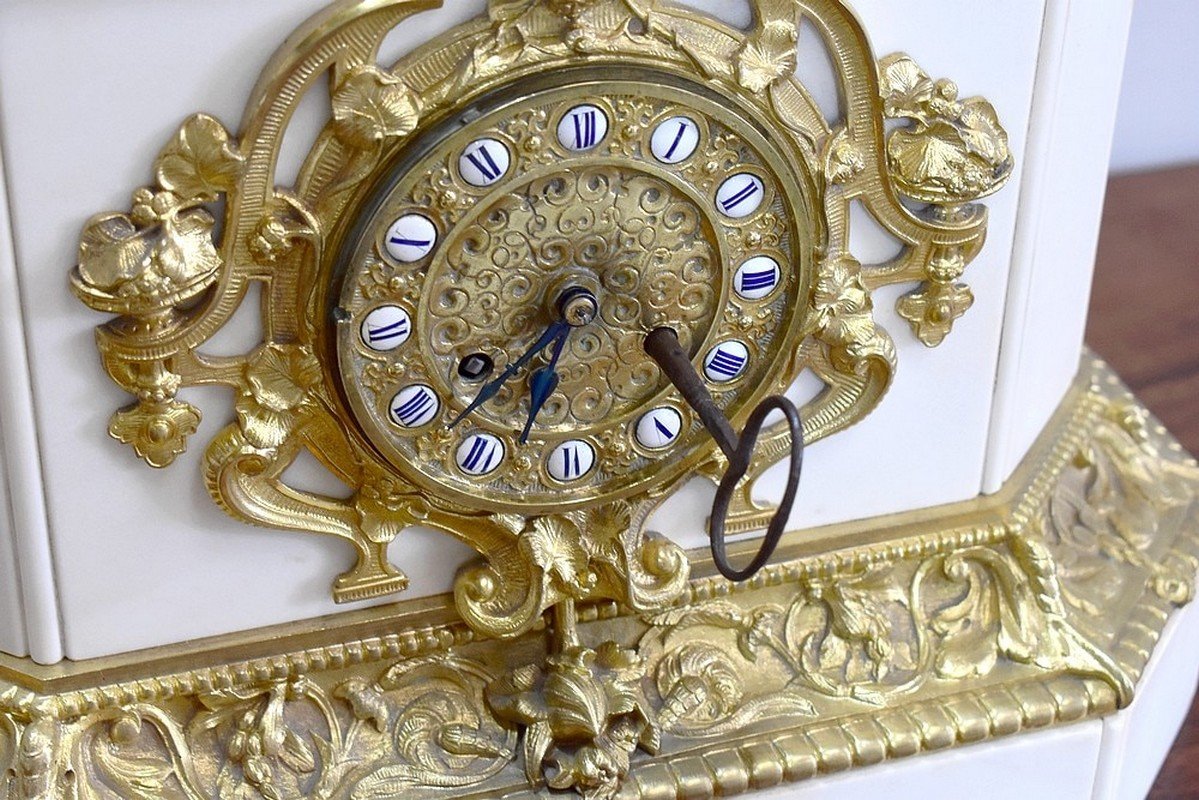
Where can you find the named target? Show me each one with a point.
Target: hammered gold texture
(926, 632)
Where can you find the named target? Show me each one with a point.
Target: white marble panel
(1136, 741)
(1057, 764)
(31, 603)
(87, 100)
(12, 625)
(1061, 206)
(162, 564)
(926, 443)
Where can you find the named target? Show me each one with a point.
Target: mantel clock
(529, 279)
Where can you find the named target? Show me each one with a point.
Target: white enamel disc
(411, 238)
(480, 454)
(659, 428)
(571, 461)
(675, 140)
(484, 162)
(726, 361)
(386, 328)
(740, 195)
(415, 406)
(757, 278)
(583, 128)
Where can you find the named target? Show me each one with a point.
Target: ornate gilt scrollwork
(1040, 606)
(173, 281)
(159, 267)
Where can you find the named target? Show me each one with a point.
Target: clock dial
(529, 251)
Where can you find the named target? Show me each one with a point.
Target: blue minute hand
(542, 385)
(492, 389)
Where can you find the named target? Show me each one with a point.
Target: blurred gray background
(1158, 125)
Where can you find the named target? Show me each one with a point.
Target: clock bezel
(597, 80)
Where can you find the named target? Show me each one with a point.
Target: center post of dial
(578, 306)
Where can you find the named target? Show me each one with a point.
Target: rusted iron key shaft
(662, 345)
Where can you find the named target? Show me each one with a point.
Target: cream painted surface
(12, 626)
(29, 621)
(1061, 207)
(1136, 741)
(144, 558)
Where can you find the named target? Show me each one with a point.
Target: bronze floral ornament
(954, 150)
(583, 715)
(657, 240)
(1038, 606)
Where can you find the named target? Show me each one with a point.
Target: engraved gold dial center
(643, 251)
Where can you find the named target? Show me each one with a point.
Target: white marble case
(114, 558)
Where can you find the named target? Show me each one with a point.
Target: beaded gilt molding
(914, 154)
(1037, 607)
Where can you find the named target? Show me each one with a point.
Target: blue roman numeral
(753, 281)
(664, 429)
(411, 242)
(393, 331)
(727, 364)
(585, 129)
(678, 137)
(740, 197)
(570, 462)
(414, 407)
(486, 164)
(481, 456)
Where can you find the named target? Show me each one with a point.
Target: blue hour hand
(542, 384)
(493, 388)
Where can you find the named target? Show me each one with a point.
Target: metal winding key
(662, 345)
